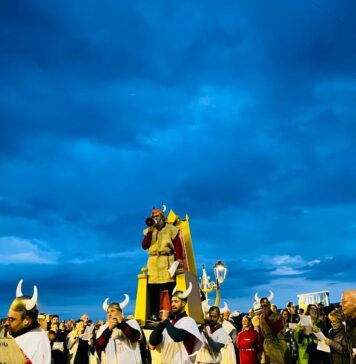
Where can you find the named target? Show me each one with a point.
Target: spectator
(337, 339)
(247, 342)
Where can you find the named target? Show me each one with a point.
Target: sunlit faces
(266, 307)
(245, 322)
(177, 304)
(226, 315)
(285, 315)
(85, 318)
(313, 312)
(348, 303)
(214, 316)
(335, 324)
(15, 321)
(291, 309)
(113, 312)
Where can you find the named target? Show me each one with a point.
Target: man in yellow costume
(165, 248)
(271, 338)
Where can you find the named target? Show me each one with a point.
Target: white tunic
(35, 345)
(175, 352)
(206, 354)
(228, 352)
(119, 349)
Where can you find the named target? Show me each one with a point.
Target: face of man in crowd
(266, 308)
(177, 304)
(213, 317)
(15, 322)
(348, 303)
(291, 309)
(226, 315)
(274, 308)
(55, 320)
(85, 318)
(251, 313)
(114, 313)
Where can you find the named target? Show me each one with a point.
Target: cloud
(15, 250)
(241, 117)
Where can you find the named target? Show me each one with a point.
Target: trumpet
(150, 222)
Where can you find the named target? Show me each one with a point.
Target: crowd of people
(266, 335)
(320, 335)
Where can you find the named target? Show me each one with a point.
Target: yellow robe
(161, 254)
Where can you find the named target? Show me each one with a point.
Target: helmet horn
(31, 303)
(164, 207)
(125, 302)
(105, 304)
(271, 296)
(19, 289)
(187, 292)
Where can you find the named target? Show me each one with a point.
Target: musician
(164, 244)
(117, 341)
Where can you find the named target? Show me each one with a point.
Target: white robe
(35, 345)
(206, 354)
(175, 352)
(119, 349)
(228, 352)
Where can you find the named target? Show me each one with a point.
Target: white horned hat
(225, 308)
(119, 306)
(269, 298)
(22, 302)
(183, 295)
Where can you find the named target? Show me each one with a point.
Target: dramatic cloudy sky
(239, 113)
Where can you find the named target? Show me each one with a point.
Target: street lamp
(220, 271)
(208, 286)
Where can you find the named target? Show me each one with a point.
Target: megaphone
(150, 222)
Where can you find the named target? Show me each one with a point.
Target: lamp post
(208, 286)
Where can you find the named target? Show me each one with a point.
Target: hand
(164, 315)
(112, 322)
(327, 342)
(315, 328)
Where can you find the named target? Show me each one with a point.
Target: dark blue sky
(239, 113)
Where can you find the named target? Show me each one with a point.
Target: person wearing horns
(164, 244)
(215, 338)
(177, 336)
(22, 325)
(271, 337)
(117, 341)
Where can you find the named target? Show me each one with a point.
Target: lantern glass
(220, 271)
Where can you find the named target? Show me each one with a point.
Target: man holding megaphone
(165, 248)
